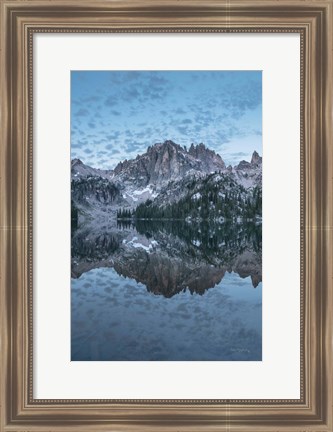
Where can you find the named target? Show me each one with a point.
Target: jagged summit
(80, 170)
(256, 159)
(249, 173)
(197, 157)
(167, 161)
(166, 143)
(200, 151)
(76, 161)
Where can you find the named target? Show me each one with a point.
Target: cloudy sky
(116, 115)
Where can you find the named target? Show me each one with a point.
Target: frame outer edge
(328, 111)
(12, 238)
(5, 305)
(4, 117)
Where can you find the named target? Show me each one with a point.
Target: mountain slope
(215, 197)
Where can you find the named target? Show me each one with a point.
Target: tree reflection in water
(167, 291)
(170, 256)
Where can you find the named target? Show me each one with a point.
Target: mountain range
(168, 257)
(166, 175)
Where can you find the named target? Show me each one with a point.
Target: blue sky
(116, 115)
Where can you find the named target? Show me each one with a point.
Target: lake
(166, 291)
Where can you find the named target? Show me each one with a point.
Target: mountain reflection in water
(166, 290)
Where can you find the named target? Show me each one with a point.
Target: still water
(166, 291)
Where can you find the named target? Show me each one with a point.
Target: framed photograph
(169, 223)
(166, 215)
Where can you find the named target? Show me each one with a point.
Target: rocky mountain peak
(165, 146)
(171, 143)
(198, 149)
(256, 159)
(80, 170)
(207, 156)
(167, 161)
(122, 166)
(243, 165)
(75, 162)
(249, 173)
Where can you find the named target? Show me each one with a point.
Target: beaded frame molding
(21, 20)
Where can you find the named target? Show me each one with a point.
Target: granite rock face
(168, 161)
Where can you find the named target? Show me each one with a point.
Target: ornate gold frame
(20, 20)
